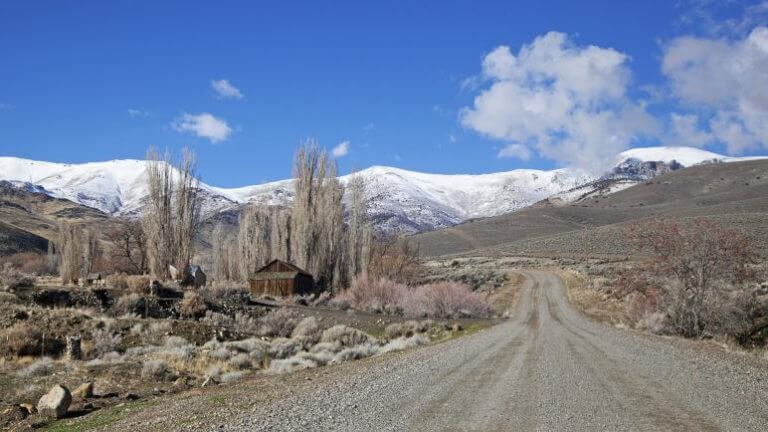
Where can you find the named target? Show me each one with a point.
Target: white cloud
(226, 90)
(685, 131)
(133, 112)
(725, 80)
(340, 150)
(517, 151)
(567, 102)
(370, 127)
(203, 125)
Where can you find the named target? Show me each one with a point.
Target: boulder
(83, 391)
(55, 403)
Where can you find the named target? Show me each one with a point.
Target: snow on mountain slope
(399, 200)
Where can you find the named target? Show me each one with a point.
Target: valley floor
(548, 368)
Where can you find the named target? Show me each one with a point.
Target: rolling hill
(735, 194)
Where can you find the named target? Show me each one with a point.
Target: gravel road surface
(547, 369)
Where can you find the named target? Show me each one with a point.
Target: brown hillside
(732, 193)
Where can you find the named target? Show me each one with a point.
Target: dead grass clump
(11, 278)
(154, 369)
(445, 300)
(9, 298)
(345, 336)
(117, 281)
(278, 323)
(22, 339)
(229, 377)
(138, 284)
(240, 361)
(192, 305)
(42, 367)
(373, 294)
(104, 341)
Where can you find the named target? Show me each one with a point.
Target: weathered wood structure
(280, 279)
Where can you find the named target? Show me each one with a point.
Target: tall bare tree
(70, 257)
(359, 233)
(172, 216)
(317, 237)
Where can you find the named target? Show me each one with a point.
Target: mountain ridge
(399, 199)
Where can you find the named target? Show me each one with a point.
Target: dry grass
(192, 305)
(592, 303)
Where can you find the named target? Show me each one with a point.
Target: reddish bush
(444, 299)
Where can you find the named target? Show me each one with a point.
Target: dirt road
(547, 369)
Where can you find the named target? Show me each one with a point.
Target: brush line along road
(547, 369)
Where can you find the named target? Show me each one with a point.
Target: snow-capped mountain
(399, 200)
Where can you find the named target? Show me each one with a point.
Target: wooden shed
(280, 279)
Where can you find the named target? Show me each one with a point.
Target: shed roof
(294, 269)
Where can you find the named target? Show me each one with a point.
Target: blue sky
(433, 87)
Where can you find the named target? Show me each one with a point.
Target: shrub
(192, 305)
(154, 369)
(240, 361)
(138, 284)
(441, 299)
(291, 364)
(22, 339)
(104, 341)
(356, 352)
(117, 281)
(11, 279)
(345, 336)
(278, 323)
(402, 343)
(42, 367)
(281, 348)
(308, 328)
(446, 299)
(373, 294)
(231, 377)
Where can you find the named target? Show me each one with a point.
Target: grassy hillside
(734, 193)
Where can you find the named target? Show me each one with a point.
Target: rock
(84, 390)
(55, 403)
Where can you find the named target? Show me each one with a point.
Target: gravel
(547, 369)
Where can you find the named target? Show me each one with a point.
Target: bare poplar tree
(317, 220)
(172, 216)
(187, 210)
(69, 252)
(359, 233)
(90, 250)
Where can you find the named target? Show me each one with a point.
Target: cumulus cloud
(726, 81)
(203, 125)
(226, 90)
(341, 150)
(566, 102)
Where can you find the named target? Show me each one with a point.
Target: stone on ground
(55, 403)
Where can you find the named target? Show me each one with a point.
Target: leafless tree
(70, 255)
(317, 234)
(172, 216)
(359, 232)
(90, 250)
(395, 258)
(127, 251)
